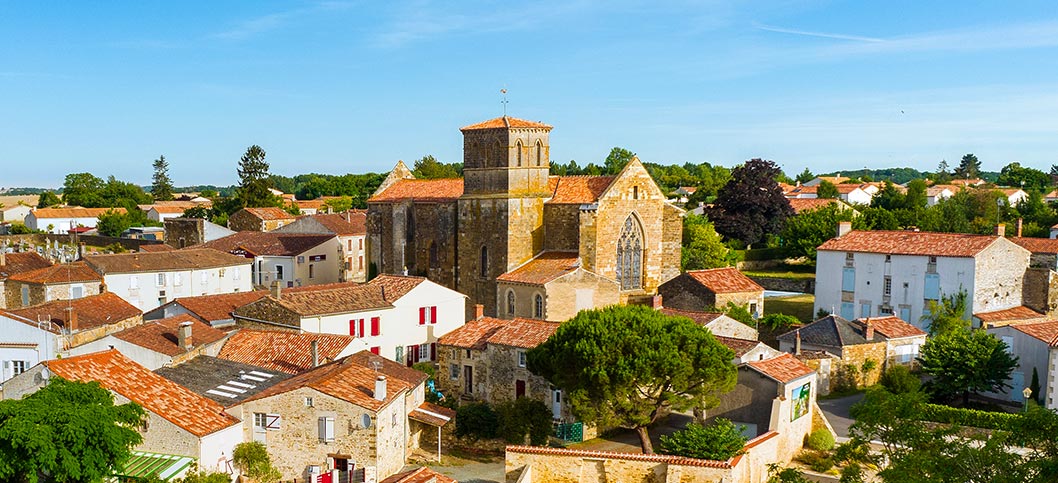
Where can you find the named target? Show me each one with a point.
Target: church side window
(539, 154)
(484, 265)
(538, 306)
(630, 255)
(434, 260)
(518, 147)
(510, 302)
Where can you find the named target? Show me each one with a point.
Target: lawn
(799, 306)
(785, 271)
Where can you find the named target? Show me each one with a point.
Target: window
(356, 327)
(424, 352)
(521, 358)
(177, 279)
(887, 286)
(848, 279)
(484, 262)
(361, 264)
(538, 306)
(326, 427)
(850, 258)
(160, 280)
(308, 402)
(279, 272)
(312, 270)
(301, 259)
(888, 258)
(376, 326)
(635, 192)
(931, 290)
(630, 255)
(518, 148)
(350, 245)
(398, 354)
(18, 367)
(453, 371)
(76, 291)
(259, 421)
(427, 315)
(539, 154)
(361, 243)
(25, 294)
(434, 260)
(510, 302)
(931, 265)
(376, 350)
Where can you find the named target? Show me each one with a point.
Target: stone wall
(562, 225)
(1040, 291)
(184, 232)
(749, 402)
(802, 285)
(999, 272)
(671, 242)
(89, 335)
(267, 310)
(560, 303)
(684, 293)
(243, 220)
(40, 293)
(856, 355)
(752, 301)
(495, 374)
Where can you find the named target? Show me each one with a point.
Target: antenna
(504, 101)
(375, 364)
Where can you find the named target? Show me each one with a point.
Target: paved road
(837, 412)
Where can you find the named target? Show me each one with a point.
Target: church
(519, 241)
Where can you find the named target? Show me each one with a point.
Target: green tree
(198, 212)
(889, 198)
(718, 441)
(428, 167)
(962, 362)
(252, 460)
(804, 232)
(969, 167)
(204, 477)
(47, 199)
(113, 223)
(1016, 175)
(827, 190)
(702, 247)
(162, 189)
(915, 197)
(208, 193)
(628, 365)
(617, 159)
(805, 176)
(69, 431)
(340, 204)
(751, 206)
(949, 314)
(82, 189)
(1034, 386)
(900, 380)
(253, 180)
(778, 322)
(942, 176)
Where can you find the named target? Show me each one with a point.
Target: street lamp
(1027, 392)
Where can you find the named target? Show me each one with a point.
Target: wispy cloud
(268, 22)
(824, 35)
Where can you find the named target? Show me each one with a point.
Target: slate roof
(831, 331)
(702, 318)
(505, 122)
(72, 212)
(176, 260)
(543, 268)
(352, 379)
(270, 243)
(92, 311)
(1047, 246)
(424, 190)
(578, 189)
(892, 327)
(16, 263)
(518, 332)
(161, 335)
(420, 475)
(269, 213)
(178, 405)
(211, 308)
(226, 382)
(1043, 331)
(725, 280)
(1020, 312)
(64, 273)
(921, 243)
(784, 368)
(285, 351)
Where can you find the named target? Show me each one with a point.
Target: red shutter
(362, 333)
(422, 315)
(352, 328)
(376, 328)
(433, 314)
(433, 351)
(408, 354)
(376, 350)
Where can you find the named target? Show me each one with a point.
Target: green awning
(165, 466)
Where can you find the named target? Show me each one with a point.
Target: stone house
(216, 310)
(62, 220)
(554, 286)
(351, 229)
(359, 415)
(285, 351)
(879, 273)
(290, 258)
(160, 343)
(50, 330)
(16, 263)
(179, 422)
(717, 323)
(697, 290)
(747, 350)
(259, 219)
(853, 343)
(188, 232)
(903, 341)
(57, 282)
(1036, 346)
(150, 279)
(1015, 315)
(466, 233)
(485, 361)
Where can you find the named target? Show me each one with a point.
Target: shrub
(900, 380)
(853, 451)
(718, 441)
(852, 473)
(969, 417)
(253, 461)
(817, 461)
(820, 440)
(778, 322)
(846, 379)
(524, 417)
(476, 420)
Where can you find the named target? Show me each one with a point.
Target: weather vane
(504, 101)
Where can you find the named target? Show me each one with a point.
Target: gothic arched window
(434, 259)
(539, 154)
(484, 264)
(518, 147)
(510, 302)
(538, 306)
(630, 255)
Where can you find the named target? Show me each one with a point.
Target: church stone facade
(508, 211)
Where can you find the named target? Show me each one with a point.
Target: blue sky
(339, 87)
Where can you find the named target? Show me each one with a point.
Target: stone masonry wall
(184, 232)
(684, 293)
(39, 293)
(560, 303)
(562, 225)
(268, 310)
(856, 355)
(999, 272)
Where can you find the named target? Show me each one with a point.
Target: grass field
(785, 271)
(799, 306)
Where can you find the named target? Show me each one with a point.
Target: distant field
(799, 306)
(30, 200)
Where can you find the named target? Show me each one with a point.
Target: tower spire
(504, 101)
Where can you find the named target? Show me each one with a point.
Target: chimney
(348, 217)
(71, 319)
(183, 336)
(277, 290)
(3, 255)
(1020, 221)
(102, 287)
(314, 347)
(655, 301)
(868, 331)
(380, 388)
(479, 311)
(844, 227)
(1001, 230)
(797, 342)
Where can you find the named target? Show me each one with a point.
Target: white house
(875, 273)
(938, 192)
(61, 220)
(179, 422)
(293, 259)
(161, 343)
(1036, 348)
(150, 279)
(1014, 195)
(15, 213)
(856, 194)
(350, 227)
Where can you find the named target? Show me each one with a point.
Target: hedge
(969, 417)
(758, 254)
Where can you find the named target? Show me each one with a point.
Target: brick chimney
(277, 289)
(71, 319)
(797, 342)
(844, 227)
(314, 348)
(655, 302)
(868, 330)
(183, 336)
(1020, 222)
(479, 311)
(1001, 230)
(380, 388)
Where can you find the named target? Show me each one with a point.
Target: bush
(820, 440)
(524, 417)
(817, 461)
(846, 379)
(852, 473)
(969, 417)
(718, 441)
(253, 461)
(476, 420)
(778, 322)
(758, 254)
(900, 380)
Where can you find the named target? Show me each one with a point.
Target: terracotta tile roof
(314, 300)
(285, 351)
(805, 204)
(270, 243)
(505, 122)
(1020, 312)
(518, 332)
(65, 273)
(349, 223)
(211, 308)
(307, 204)
(543, 268)
(939, 188)
(352, 379)
(833, 179)
(156, 247)
(426, 190)
(73, 212)
(395, 286)
(269, 213)
(848, 188)
(420, 475)
(652, 457)
(807, 355)
(1044, 331)
(802, 190)
(22, 262)
(893, 327)
(968, 182)
(176, 260)
(1037, 245)
(725, 280)
(178, 405)
(92, 311)
(579, 189)
(910, 243)
(432, 414)
(784, 368)
(739, 346)
(171, 209)
(161, 335)
(702, 318)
